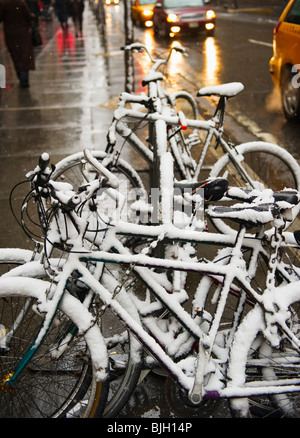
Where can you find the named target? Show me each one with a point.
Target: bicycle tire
(124, 351)
(255, 353)
(290, 96)
(68, 389)
(286, 272)
(208, 295)
(270, 162)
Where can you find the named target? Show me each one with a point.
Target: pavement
(67, 107)
(73, 77)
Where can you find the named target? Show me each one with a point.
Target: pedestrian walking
(17, 23)
(34, 7)
(77, 8)
(47, 10)
(62, 10)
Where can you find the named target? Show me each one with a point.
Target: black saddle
(214, 189)
(289, 196)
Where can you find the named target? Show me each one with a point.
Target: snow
(175, 341)
(227, 90)
(166, 339)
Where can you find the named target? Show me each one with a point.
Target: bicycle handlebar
(63, 192)
(44, 161)
(141, 48)
(111, 178)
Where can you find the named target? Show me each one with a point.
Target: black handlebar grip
(44, 161)
(297, 236)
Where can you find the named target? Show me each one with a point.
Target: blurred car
(173, 17)
(285, 62)
(112, 2)
(142, 12)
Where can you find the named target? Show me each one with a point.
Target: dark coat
(77, 7)
(34, 7)
(17, 20)
(62, 10)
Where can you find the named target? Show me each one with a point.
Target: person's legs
(24, 78)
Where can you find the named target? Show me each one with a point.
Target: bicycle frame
(165, 230)
(211, 126)
(209, 352)
(160, 99)
(141, 264)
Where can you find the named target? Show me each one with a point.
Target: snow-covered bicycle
(131, 315)
(249, 165)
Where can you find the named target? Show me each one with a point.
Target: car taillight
(276, 28)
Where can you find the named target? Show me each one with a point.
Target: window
(293, 15)
(147, 2)
(183, 3)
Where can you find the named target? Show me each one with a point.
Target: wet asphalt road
(239, 51)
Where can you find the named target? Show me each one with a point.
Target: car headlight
(172, 18)
(148, 13)
(210, 14)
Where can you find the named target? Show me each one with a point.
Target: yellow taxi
(285, 62)
(142, 12)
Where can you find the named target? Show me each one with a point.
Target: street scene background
(74, 90)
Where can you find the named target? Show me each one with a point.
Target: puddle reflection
(211, 62)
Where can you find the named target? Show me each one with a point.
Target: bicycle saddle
(227, 90)
(248, 216)
(289, 196)
(153, 77)
(214, 189)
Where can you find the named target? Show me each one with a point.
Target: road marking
(260, 43)
(253, 127)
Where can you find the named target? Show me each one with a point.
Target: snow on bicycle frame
(141, 264)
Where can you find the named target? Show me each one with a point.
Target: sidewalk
(67, 108)
(60, 111)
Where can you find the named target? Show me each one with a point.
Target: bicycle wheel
(184, 140)
(271, 360)
(207, 294)
(49, 386)
(238, 303)
(75, 170)
(290, 96)
(124, 351)
(269, 166)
